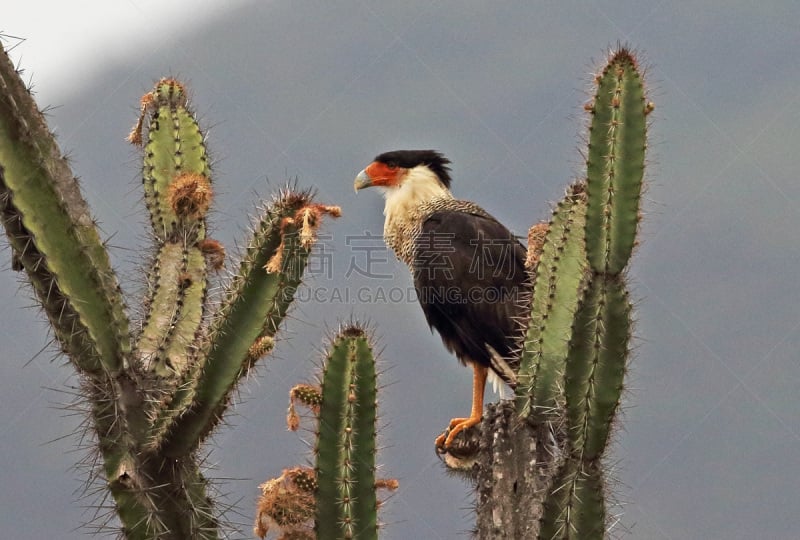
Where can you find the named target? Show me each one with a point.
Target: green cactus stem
(54, 237)
(559, 274)
(575, 508)
(177, 188)
(178, 282)
(346, 502)
(615, 163)
(593, 380)
(55, 241)
(596, 362)
(344, 405)
(599, 339)
(174, 152)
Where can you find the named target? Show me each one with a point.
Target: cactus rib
(575, 509)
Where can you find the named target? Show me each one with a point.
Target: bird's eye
(392, 165)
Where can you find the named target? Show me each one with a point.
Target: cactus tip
(351, 330)
(623, 55)
(170, 91)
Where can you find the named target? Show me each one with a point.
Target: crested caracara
(469, 270)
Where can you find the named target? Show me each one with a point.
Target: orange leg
(457, 425)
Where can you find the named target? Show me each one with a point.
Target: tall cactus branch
(54, 237)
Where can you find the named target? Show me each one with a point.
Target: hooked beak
(362, 181)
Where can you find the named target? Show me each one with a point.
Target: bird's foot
(444, 442)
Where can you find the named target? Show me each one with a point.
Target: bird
(469, 270)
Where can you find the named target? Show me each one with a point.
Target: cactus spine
(156, 393)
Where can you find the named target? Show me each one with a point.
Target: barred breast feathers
(401, 230)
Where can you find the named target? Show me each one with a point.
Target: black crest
(411, 158)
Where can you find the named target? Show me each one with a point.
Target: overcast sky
(710, 437)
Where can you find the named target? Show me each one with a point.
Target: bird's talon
(440, 440)
(456, 421)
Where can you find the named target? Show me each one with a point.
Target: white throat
(419, 185)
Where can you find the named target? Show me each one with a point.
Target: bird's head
(411, 170)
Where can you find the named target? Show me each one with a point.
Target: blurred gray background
(710, 439)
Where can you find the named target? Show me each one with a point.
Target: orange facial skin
(382, 174)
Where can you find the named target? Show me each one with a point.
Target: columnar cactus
(158, 390)
(576, 347)
(343, 483)
(594, 368)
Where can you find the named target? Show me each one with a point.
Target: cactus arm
(596, 365)
(346, 502)
(615, 168)
(574, 356)
(556, 290)
(175, 311)
(177, 193)
(615, 164)
(175, 147)
(243, 329)
(54, 237)
(55, 241)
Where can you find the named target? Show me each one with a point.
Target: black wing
(470, 277)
